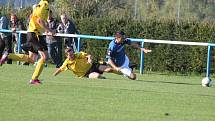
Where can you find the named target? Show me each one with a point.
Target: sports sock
(19, 57)
(38, 69)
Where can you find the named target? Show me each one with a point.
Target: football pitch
(152, 97)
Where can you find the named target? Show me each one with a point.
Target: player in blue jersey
(116, 55)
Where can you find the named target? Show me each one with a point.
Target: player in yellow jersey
(81, 65)
(36, 44)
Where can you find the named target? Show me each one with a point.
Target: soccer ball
(206, 82)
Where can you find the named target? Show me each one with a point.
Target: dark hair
(68, 50)
(120, 33)
(13, 14)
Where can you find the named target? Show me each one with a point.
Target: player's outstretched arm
(145, 50)
(57, 72)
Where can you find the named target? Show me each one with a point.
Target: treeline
(135, 9)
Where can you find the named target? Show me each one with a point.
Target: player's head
(64, 18)
(42, 9)
(69, 53)
(13, 18)
(120, 36)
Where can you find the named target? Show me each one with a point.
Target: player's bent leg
(19, 57)
(105, 68)
(94, 75)
(128, 73)
(4, 58)
(32, 57)
(16, 57)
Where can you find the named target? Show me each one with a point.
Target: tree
(93, 8)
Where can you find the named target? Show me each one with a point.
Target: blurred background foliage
(178, 20)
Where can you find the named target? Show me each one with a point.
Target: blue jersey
(116, 52)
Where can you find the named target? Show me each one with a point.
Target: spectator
(54, 43)
(68, 27)
(5, 41)
(117, 58)
(15, 25)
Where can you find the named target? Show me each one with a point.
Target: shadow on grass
(160, 92)
(168, 82)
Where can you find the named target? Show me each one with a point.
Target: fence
(80, 36)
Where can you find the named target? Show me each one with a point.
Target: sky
(19, 3)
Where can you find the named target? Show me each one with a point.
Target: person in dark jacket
(5, 41)
(16, 25)
(54, 43)
(68, 27)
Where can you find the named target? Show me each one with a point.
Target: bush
(173, 58)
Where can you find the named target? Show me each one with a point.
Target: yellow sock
(19, 57)
(38, 69)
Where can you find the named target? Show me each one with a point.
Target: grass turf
(152, 97)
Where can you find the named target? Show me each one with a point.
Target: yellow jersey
(40, 12)
(79, 65)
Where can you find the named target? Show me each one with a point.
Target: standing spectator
(54, 43)
(5, 41)
(68, 27)
(117, 58)
(15, 25)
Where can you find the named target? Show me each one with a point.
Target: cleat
(36, 82)
(132, 76)
(3, 58)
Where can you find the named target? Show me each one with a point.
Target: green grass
(152, 97)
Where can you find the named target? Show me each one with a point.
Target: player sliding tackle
(116, 55)
(82, 65)
(36, 43)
